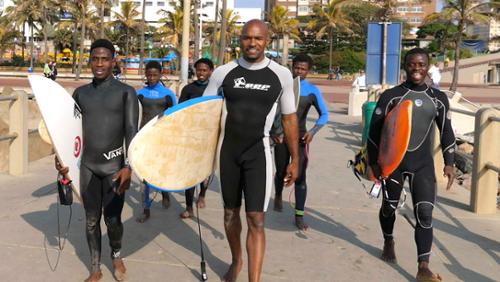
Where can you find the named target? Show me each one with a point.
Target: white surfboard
(63, 121)
(176, 151)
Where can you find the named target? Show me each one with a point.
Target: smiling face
(253, 40)
(101, 63)
(416, 67)
(203, 72)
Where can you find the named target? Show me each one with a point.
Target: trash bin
(368, 108)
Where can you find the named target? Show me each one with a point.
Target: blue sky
(248, 3)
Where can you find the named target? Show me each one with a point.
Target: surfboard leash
(203, 269)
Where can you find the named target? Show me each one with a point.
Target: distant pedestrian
(53, 71)
(338, 73)
(46, 69)
(330, 74)
(360, 81)
(434, 75)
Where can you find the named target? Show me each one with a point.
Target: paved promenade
(342, 244)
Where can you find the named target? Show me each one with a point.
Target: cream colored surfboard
(176, 151)
(43, 132)
(63, 120)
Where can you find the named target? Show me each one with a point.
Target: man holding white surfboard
(110, 112)
(430, 106)
(252, 87)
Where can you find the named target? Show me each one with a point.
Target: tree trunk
(23, 42)
(196, 53)
(284, 59)
(278, 47)
(126, 54)
(330, 37)
(215, 29)
(82, 42)
(45, 44)
(141, 53)
(458, 41)
(222, 48)
(32, 41)
(73, 65)
(101, 16)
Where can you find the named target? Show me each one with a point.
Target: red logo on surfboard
(78, 146)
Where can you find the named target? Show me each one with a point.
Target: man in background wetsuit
(429, 106)
(155, 99)
(310, 96)
(203, 69)
(252, 87)
(109, 117)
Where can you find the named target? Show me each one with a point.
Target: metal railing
(485, 157)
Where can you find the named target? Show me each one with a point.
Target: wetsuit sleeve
(377, 122)
(443, 121)
(215, 82)
(184, 94)
(172, 97)
(131, 115)
(320, 107)
(287, 101)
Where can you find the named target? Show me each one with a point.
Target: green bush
(349, 61)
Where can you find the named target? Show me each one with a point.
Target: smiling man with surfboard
(420, 107)
(110, 113)
(252, 87)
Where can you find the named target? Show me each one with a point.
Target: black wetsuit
(191, 91)
(310, 96)
(252, 92)
(429, 106)
(110, 112)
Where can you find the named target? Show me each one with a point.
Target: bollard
(18, 125)
(486, 151)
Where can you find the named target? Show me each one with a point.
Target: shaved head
(253, 40)
(256, 23)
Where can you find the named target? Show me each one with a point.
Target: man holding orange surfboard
(415, 161)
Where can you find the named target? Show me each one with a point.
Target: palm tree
(8, 34)
(171, 28)
(102, 6)
(282, 25)
(464, 12)
(332, 18)
(222, 44)
(127, 19)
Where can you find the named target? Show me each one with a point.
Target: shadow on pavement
(322, 223)
(136, 235)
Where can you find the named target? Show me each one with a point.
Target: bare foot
(119, 269)
(388, 253)
(278, 204)
(300, 223)
(144, 217)
(188, 213)
(94, 277)
(425, 274)
(232, 272)
(200, 203)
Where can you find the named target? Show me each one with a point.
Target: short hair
(104, 43)
(205, 61)
(417, 51)
(153, 65)
(303, 58)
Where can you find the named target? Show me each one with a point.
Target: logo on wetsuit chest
(113, 153)
(242, 84)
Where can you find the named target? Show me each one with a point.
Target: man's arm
(131, 120)
(443, 121)
(291, 130)
(320, 107)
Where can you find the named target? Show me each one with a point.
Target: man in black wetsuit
(429, 106)
(252, 87)
(109, 117)
(203, 69)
